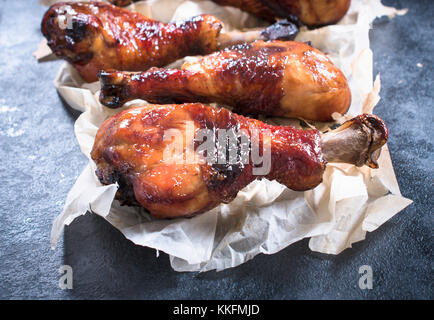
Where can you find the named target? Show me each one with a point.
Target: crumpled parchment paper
(265, 217)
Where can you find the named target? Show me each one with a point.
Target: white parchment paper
(265, 217)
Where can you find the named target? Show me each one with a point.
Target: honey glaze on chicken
(95, 35)
(278, 78)
(310, 12)
(131, 144)
(131, 149)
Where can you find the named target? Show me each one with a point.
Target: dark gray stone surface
(40, 160)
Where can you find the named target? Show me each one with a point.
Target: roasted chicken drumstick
(134, 149)
(310, 12)
(279, 78)
(96, 35)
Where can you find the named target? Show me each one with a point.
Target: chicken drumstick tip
(357, 141)
(111, 88)
(286, 29)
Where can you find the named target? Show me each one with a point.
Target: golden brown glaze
(122, 3)
(310, 12)
(129, 149)
(255, 7)
(101, 36)
(289, 79)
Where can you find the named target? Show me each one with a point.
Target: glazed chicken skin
(94, 35)
(278, 78)
(313, 13)
(131, 149)
(122, 3)
(105, 36)
(310, 12)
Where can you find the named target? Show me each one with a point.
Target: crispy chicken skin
(310, 12)
(102, 36)
(131, 149)
(122, 3)
(93, 36)
(131, 144)
(278, 78)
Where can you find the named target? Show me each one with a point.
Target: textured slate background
(40, 161)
